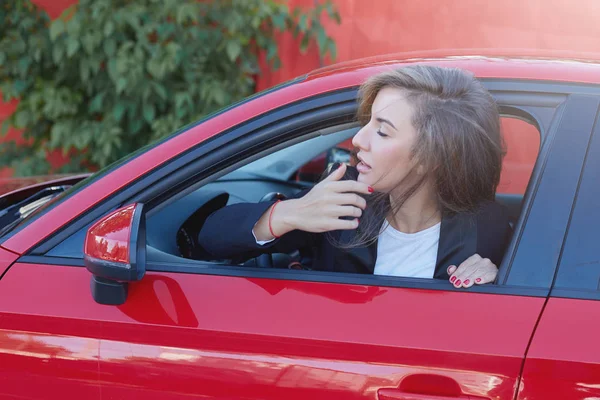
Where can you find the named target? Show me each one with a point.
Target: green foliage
(110, 76)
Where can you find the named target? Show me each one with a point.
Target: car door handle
(397, 394)
(426, 387)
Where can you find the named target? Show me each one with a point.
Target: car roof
(550, 65)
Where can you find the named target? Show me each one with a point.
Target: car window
(285, 163)
(522, 140)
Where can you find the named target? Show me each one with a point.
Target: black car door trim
(207, 268)
(547, 222)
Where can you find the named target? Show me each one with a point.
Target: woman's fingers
(350, 199)
(468, 279)
(342, 224)
(337, 174)
(487, 277)
(349, 186)
(473, 271)
(348, 211)
(458, 276)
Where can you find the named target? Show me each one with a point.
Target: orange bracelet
(271, 217)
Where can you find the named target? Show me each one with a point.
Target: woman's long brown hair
(459, 143)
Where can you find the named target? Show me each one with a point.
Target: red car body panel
(563, 361)
(185, 334)
(6, 259)
(320, 82)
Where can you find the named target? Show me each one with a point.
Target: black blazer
(227, 234)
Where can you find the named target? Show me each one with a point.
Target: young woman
(430, 156)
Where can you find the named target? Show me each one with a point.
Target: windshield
(282, 164)
(12, 215)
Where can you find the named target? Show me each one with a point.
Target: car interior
(172, 230)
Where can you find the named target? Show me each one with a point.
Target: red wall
(372, 27)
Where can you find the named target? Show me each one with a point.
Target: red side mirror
(115, 252)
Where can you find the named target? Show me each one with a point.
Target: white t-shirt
(411, 255)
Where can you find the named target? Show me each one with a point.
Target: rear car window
(522, 141)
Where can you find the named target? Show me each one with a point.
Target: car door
(224, 332)
(563, 361)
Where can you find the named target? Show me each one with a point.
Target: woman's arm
(234, 230)
(227, 233)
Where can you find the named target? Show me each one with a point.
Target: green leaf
(109, 28)
(118, 111)
(72, 46)
(233, 50)
(110, 47)
(160, 90)
(121, 85)
(302, 23)
(332, 12)
(148, 112)
(22, 118)
(19, 86)
(74, 27)
(332, 50)
(5, 127)
(136, 126)
(272, 51)
(84, 69)
(96, 103)
(56, 28)
(57, 54)
(219, 95)
(304, 43)
(279, 21)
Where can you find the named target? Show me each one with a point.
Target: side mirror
(115, 253)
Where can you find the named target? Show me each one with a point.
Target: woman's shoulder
(485, 231)
(485, 212)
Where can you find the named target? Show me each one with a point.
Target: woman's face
(385, 144)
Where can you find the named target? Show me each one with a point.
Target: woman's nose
(360, 140)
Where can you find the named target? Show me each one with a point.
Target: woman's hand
(319, 210)
(475, 270)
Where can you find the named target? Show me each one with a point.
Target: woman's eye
(381, 133)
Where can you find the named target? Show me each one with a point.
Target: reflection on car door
(230, 337)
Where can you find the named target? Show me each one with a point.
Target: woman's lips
(363, 168)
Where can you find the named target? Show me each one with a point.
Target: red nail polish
(452, 279)
(371, 190)
(478, 280)
(457, 283)
(358, 220)
(467, 281)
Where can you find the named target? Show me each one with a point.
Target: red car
(105, 292)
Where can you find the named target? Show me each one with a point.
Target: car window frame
(550, 95)
(579, 239)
